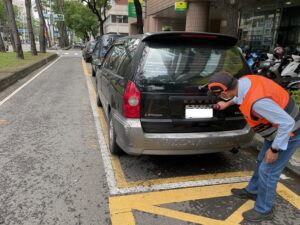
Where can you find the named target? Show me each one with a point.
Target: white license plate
(198, 111)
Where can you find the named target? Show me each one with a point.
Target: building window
(119, 19)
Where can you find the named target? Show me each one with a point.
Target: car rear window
(189, 64)
(107, 41)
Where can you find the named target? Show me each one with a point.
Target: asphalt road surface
(56, 167)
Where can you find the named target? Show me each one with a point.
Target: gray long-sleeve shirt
(271, 111)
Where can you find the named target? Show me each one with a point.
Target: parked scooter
(269, 67)
(275, 64)
(293, 68)
(253, 60)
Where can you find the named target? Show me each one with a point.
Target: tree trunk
(64, 39)
(30, 28)
(2, 47)
(42, 36)
(48, 36)
(11, 14)
(139, 16)
(12, 40)
(99, 12)
(232, 9)
(101, 25)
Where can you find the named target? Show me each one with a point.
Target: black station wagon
(153, 90)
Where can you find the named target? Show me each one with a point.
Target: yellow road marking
(85, 69)
(121, 206)
(236, 216)
(119, 174)
(288, 195)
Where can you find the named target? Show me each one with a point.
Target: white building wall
(121, 10)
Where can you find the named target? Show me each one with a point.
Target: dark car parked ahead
(153, 89)
(88, 50)
(101, 48)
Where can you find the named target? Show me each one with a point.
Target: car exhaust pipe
(235, 150)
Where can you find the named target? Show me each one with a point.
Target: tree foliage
(79, 18)
(3, 16)
(2, 13)
(99, 8)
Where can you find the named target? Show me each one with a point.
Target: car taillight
(131, 101)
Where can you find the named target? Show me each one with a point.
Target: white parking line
(109, 172)
(24, 85)
(178, 185)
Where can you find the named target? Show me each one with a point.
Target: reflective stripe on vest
(264, 88)
(293, 110)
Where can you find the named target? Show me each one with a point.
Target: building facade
(263, 24)
(201, 16)
(267, 24)
(117, 18)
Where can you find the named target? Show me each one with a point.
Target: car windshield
(189, 65)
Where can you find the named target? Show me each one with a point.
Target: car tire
(99, 103)
(113, 146)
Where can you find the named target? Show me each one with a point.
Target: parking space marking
(121, 207)
(115, 177)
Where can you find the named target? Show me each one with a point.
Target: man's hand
(270, 156)
(224, 105)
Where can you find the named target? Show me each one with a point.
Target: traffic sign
(180, 6)
(58, 17)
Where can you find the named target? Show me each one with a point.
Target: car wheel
(113, 146)
(99, 103)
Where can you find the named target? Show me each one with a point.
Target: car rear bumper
(132, 139)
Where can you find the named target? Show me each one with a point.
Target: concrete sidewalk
(9, 78)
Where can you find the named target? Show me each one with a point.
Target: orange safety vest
(262, 87)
